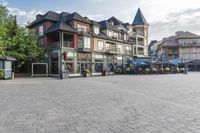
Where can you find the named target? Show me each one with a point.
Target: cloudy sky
(165, 16)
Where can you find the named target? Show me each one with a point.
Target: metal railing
(141, 43)
(67, 44)
(140, 52)
(128, 52)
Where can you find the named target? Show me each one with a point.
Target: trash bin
(13, 75)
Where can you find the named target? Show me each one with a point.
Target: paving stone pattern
(112, 104)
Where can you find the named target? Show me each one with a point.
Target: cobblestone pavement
(113, 104)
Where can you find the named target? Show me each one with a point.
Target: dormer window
(110, 33)
(41, 30)
(96, 30)
(81, 28)
(115, 35)
(112, 23)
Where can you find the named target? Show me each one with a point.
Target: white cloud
(187, 20)
(95, 16)
(168, 16)
(3, 2)
(24, 16)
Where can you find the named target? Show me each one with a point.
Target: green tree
(17, 41)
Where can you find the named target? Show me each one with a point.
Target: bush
(140, 70)
(161, 70)
(182, 70)
(1, 73)
(147, 71)
(128, 70)
(177, 70)
(154, 70)
(167, 69)
(86, 73)
(118, 70)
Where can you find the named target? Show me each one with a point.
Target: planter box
(85, 74)
(105, 73)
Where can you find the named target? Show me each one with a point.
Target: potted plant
(161, 70)
(140, 71)
(167, 70)
(128, 70)
(147, 71)
(182, 70)
(177, 70)
(86, 73)
(118, 70)
(154, 70)
(105, 72)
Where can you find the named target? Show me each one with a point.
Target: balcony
(66, 44)
(140, 43)
(128, 52)
(172, 52)
(140, 52)
(112, 51)
(84, 49)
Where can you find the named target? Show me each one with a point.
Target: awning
(7, 58)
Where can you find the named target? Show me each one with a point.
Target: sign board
(98, 56)
(8, 65)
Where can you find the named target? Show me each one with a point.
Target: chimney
(38, 16)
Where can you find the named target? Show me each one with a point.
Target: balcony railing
(66, 44)
(141, 43)
(112, 50)
(140, 52)
(128, 52)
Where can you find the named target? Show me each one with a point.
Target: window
(41, 41)
(115, 35)
(125, 37)
(96, 30)
(80, 42)
(119, 48)
(109, 33)
(100, 45)
(41, 30)
(81, 28)
(107, 46)
(87, 42)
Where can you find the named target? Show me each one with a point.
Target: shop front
(54, 63)
(69, 62)
(83, 62)
(98, 63)
(111, 62)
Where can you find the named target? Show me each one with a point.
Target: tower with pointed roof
(140, 27)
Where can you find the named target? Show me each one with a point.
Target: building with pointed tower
(140, 27)
(77, 43)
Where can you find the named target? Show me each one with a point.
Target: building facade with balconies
(78, 43)
(184, 46)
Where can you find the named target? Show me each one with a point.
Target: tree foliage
(17, 41)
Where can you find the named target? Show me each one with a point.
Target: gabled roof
(50, 15)
(182, 35)
(61, 24)
(139, 19)
(76, 16)
(106, 25)
(115, 21)
(95, 23)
